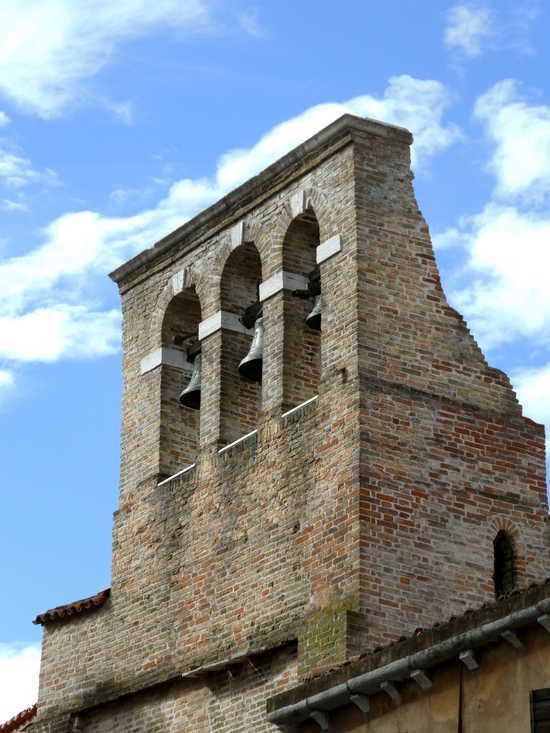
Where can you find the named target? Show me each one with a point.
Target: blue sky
(118, 121)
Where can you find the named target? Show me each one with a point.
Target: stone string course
(344, 525)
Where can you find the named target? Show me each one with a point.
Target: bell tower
(316, 456)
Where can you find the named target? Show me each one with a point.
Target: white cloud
(7, 380)
(4, 119)
(533, 390)
(468, 26)
(45, 310)
(48, 47)
(59, 331)
(521, 135)
(503, 289)
(417, 104)
(19, 667)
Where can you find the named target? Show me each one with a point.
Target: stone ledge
(301, 411)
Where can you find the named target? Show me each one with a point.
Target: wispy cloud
(250, 22)
(474, 28)
(11, 205)
(4, 119)
(468, 27)
(19, 667)
(48, 305)
(49, 47)
(17, 171)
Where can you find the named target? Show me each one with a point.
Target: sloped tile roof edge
(18, 720)
(61, 613)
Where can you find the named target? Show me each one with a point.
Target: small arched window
(241, 392)
(504, 575)
(302, 315)
(180, 418)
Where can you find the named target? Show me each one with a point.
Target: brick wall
(446, 456)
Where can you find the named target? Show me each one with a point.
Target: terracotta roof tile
(60, 613)
(18, 720)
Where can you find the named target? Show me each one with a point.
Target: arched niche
(180, 425)
(240, 397)
(302, 344)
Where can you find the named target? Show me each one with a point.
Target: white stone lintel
(164, 355)
(237, 234)
(298, 203)
(222, 319)
(329, 248)
(178, 281)
(282, 281)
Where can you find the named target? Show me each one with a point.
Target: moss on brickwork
(328, 636)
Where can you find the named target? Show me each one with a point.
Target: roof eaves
(425, 649)
(61, 613)
(18, 720)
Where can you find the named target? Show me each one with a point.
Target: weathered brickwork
(447, 459)
(348, 521)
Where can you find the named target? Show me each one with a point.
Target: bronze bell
(313, 319)
(251, 366)
(191, 395)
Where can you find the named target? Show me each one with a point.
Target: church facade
(317, 463)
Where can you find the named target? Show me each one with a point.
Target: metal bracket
(544, 621)
(421, 679)
(321, 719)
(362, 702)
(467, 657)
(512, 638)
(391, 690)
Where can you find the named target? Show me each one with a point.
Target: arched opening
(240, 388)
(302, 313)
(180, 418)
(504, 575)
